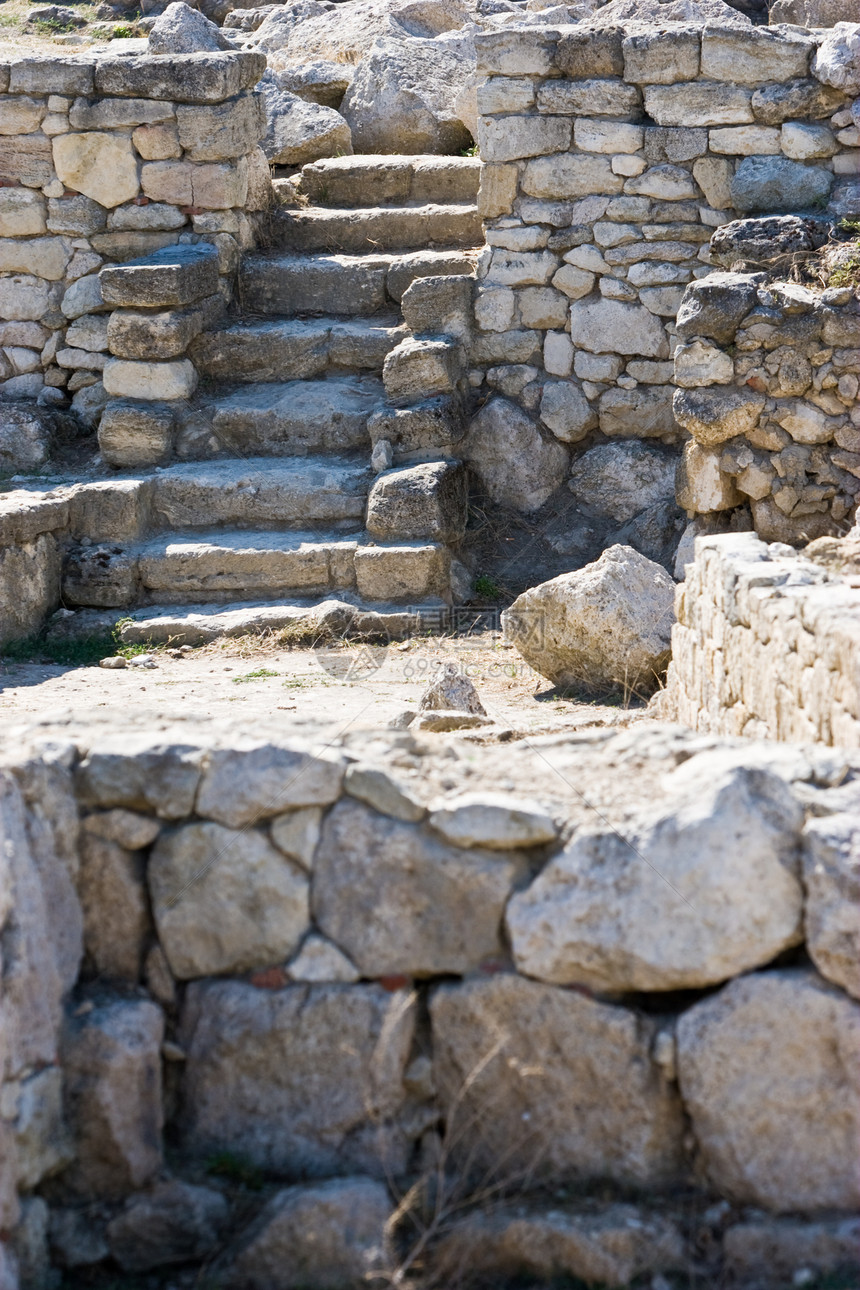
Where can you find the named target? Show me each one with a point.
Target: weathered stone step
(260, 492)
(298, 417)
(295, 348)
(378, 180)
(382, 228)
(338, 284)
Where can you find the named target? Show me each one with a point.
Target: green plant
(72, 651)
(52, 27)
(260, 674)
(235, 1168)
(846, 274)
(124, 32)
(470, 152)
(487, 588)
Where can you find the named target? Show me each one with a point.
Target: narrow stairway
(273, 502)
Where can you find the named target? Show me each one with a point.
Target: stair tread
(236, 540)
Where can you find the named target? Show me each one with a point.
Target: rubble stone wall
(336, 966)
(766, 644)
(610, 157)
(103, 161)
(768, 378)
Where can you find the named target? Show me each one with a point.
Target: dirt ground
(249, 680)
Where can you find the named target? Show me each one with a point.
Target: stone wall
(105, 160)
(768, 376)
(610, 158)
(332, 972)
(765, 645)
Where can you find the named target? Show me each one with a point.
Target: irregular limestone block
(167, 381)
(621, 479)
(127, 829)
(112, 1067)
(718, 413)
(42, 1142)
(415, 906)
(767, 1070)
(599, 916)
(209, 186)
(698, 104)
(716, 305)
(112, 891)
(514, 462)
(408, 572)
(699, 364)
(652, 59)
(330, 1233)
(174, 1222)
(831, 872)
(493, 820)
(750, 56)
(537, 1078)
(767, 1249)
(566, 411)
(144, 334)
(778, 184)
(420, 369)
(101, 166)
(182, 78)
(221, 132)
(243, 786)
(29, 585)
(320, 961)
(22, 213)
(334, 1105)
(140, 773)
(225, 901)
(425, 501)
(702, 486)
(45, 257)
(135, 434)
(26, 159)
(614, 326)
(297, 833)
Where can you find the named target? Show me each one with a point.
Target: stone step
(381, 228)
(295, 348)
(338, 284)
(289, 418)
(378, 180)
(260, 492)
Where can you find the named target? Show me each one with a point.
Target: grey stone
(416, 905)
(831, 873)
(614, 326)
(645, 412)
(181, 78)
(605, 625)
(452, 691)
(136, 433)
(493, 820)
(112, 1066)
(182, 30)
(169, 278)
(431, 428)
(516, 465)
(717, 413)
(759, 242)
(566, 411)
(320, 82)
(336, 1104)
(777, 184)
(622, 479)
(243, 786)
(552, 1083)
(298, 131)
(174, 1222)
(297, 833)
(332, 1233)
(376, 787)
(425, 501)
(140, 773)
(113, 897)
(794, 100)
(76, 1239)
(775, 1122)
(836, 59)
(320, 961)
(26, 437)
(225, 901)
(716, 305)
(777, 1250)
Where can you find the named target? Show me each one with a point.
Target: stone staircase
(262, 491)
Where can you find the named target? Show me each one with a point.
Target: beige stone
(44, 257)
(698, 104)
(297, 833)
(126, 379)
(574, 282)
(831, 872)
(699, 364)
(157, 142)
(806, 140)
(607, 136)
(745, 140)
(714, 177)
(701, 485)
(99, 165)
(614, 326)
(116, 912)
(211, 186)
(22, 213)
(767, 1070)
(20, 115)
(508, 138)
(570, 175)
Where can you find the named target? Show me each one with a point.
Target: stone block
(570, 175)
(22, 213)
(662, 57)
(777, 184)
(182, 78)
(157, 142)
(497, 190)
(140, 773)
(226, 130)
(716, 305)
(719, 413)
(82, 297)
(698, 104)
(664, 183)
(775, 1122)
(148, 334)
(421, 368)
(425, 501)
(585, 54)
(644, 413)
(26, 159)
(156, 217)
(126, 379)
(406, 572)
(614, 326)
(517, 53)
(519, 268)
(699, 364)
(607, 136)
(336, 1104)
(173, 1222)
(112, 890)
(805, 141)
(52, 74)
(565, 410)
(506, 138)
(770, 1249)
(663, 143)
(117, 114)
(101, 166)
(514, 462)
(88, 332)
(112, 1069)
(590, 98)
(426, 430)
(701, 485)
(505, 94)
(832, 880)
(135, 434)
(172, 277)
(75, 216)
(44, 257)
(21, 115)
(523, 1071)
(745, 140)
(750, 56)
(440, 305)
(29, 581)
(542, 307)
(804, 99)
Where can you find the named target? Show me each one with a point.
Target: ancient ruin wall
(766, 644)
(320, 965)
(104, 160)
(768, 377)
(610, 158)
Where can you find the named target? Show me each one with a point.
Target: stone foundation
(328, 973)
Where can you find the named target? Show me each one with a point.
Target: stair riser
(289, 354)
(365, 181)
(267, 287)
(260, 575)
(379, 230)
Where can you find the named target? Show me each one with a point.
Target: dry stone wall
(765, 645)
(336, 970)
(610, 157)
(768, 375)
(105, 161)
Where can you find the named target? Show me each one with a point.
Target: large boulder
(837, 61)
(332, 1233)
(603, 626)
(183, 30)
(690, 12)
(298, 131)
(544, 1082)
(812, 13)
(768, 1073)
(691, 895)
(618, 480)
(279, 23)
(414, 96)
(306, 1080)
(517, 465)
